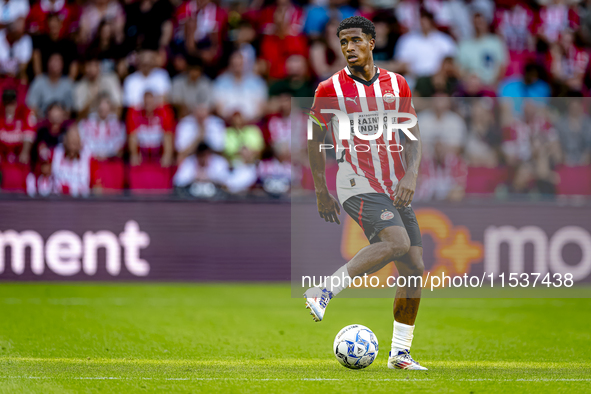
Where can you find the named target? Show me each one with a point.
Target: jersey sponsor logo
(346, 129)
(387, 215)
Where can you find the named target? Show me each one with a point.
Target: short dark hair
(356, 21)
(8, 96)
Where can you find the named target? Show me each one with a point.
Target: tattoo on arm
(412, 151)
(317, 158)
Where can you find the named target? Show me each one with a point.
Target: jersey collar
(363, 81)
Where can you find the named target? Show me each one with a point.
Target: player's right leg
(406, 306)
(389, 240)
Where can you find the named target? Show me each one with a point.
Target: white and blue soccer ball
(356, 346)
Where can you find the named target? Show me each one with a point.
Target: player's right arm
(328, 206)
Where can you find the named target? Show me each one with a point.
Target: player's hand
(405, 190)
(328, 207)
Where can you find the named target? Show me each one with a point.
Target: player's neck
(366, 72)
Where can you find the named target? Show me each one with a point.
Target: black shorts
(375, 211)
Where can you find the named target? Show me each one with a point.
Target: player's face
(356, 46)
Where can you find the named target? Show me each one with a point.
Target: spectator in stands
(101, 132)
(205, 24)
(17, 134)
(109, 49)
(421, 53)
(95, 85)
(277, 125)
(191, 88)
(240, 135)
(151, 133)
(554, 18)
(446, 80)
(147, 78)
(199, 126)
(204, 172)
(245, 39)
(386, 38)
(297, 80)
(51, 87)
(52, 42)
(11, 10)
(319, 15)
(442, 176)
(484, 137)
(530, 86)
(569, 63)
(68, 13)
(148, 24)
(41, 182)
(104, 136)
(531, 146)
(281, 36)
(50, 131)
(574, 134)
(233, 91)
(274, 169)
(485, 54)
(109, 11)
(244, 172)
(70, 165)
(325, 52)
(515, 23)
(16, 49)
(151, 145)
(440, 124)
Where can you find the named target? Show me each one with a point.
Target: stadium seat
(574, 180)
(482, 180)
(14, 177)
(150, 178)
(108, 174)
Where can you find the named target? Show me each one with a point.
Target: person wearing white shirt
(204, 167)
(11, 10)
(146, 78)
(233, 91)
(200, 126)
(440, 123)
(421, 53)
(71, 165)
(16, 48)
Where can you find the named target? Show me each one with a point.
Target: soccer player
(375, 186)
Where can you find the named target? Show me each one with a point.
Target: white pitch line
(303, 379)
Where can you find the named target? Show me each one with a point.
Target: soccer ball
(356, 346)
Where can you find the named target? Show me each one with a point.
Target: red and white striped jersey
(373, 166)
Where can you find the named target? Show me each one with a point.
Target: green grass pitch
(57, 338)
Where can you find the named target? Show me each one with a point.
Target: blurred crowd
(193, 97)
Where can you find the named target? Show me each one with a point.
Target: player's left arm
(405, 188)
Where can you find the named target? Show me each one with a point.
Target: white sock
(402, 338)
(338, 281)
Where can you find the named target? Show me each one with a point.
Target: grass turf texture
(254, 338)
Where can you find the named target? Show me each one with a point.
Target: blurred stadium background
(151, 141)
(172, 121)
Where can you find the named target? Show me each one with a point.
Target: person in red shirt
(281, 27)
(151, 145)
(17, 133)
(69, 14)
